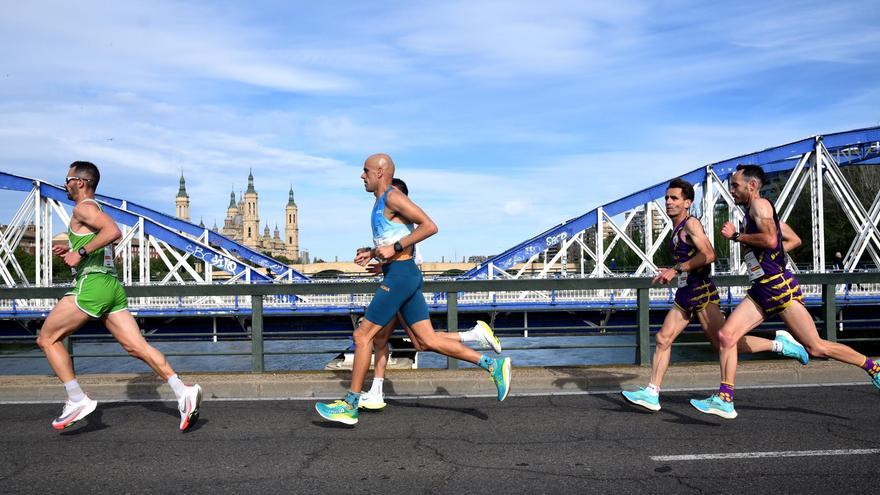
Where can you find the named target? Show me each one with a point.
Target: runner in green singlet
(97, 293)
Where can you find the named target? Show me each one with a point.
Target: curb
(420, 383)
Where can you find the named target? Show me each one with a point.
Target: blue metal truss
(856, 147)
(167, 228)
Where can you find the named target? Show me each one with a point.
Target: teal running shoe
(499, 370)
(339, 411)
(642, 397)
(792, 348)
(876, 380)
(714, 405)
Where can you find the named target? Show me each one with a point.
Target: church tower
(182, 201)
(291, 230)
(251, 215)
(229, 227)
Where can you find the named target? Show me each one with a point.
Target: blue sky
(504, 118)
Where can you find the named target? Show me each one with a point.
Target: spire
(277, 232)
(181, 193)
(250, 188)
(266, 230)
(201, 222)
(232, 203)
(215, 226)
(290, 201)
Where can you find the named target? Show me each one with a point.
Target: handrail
(828, 281)
(365, 287)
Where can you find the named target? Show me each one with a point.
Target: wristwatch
(82, 252)
(398, 247)
(735, 237)
(677, 268)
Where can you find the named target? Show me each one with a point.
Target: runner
(481, 333)
(97, 293)
(696, 295)
(774, 291)
(400, 291)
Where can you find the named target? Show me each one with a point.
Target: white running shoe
(188, 405)
(487, 336)
(371, 401)
(73, 412)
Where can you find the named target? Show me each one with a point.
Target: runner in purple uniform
(696, 296)
(774, 291)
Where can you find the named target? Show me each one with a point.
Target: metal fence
(831, 287)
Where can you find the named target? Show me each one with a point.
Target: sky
(504, 117)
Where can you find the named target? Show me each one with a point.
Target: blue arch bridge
(577, 248)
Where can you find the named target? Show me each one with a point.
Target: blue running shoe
(339, 411)
(792, 348)
(499, 370)
(714, 405)
(876, 380)
(642, 397)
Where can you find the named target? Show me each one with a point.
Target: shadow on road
(586, 379)
(421, 405)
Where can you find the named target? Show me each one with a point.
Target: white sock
(653, 389)
(376, 389)
(74, 392)
(177, 385)
(470, 336)
(776, 346)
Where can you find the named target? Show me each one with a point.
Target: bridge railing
(828, 286)
(338, 303)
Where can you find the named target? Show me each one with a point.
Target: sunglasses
(68, 179)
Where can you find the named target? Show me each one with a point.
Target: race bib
(682, 280)
(108, 256)
(754, 266)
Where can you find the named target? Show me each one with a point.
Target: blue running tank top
(386, 232)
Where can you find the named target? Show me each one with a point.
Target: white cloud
(507, 117)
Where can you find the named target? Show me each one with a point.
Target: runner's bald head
(384, 162)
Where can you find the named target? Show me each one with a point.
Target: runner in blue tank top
(481, 334)
(774, 291)
(696, 295)
(401, 289)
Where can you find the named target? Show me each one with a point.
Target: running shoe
(487, 336)
(642, 397)
(73, 412)
(715, 405)
(876, 380)
(188, 405)
(371, 401)
(339, 411)
(792, 348)
(499, 370)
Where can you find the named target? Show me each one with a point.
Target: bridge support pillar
(451, 323)
(829, 311)
(643, 339)
(257, 362)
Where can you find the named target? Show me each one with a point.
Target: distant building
(242, 223)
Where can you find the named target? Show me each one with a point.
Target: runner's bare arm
(790, 240)
(96, 220)
(705, 252)
(762, 213)
(409, 211)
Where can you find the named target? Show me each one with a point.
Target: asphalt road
(548, 444)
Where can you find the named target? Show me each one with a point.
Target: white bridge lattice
(194, 254)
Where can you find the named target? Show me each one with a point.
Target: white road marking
(758, 455)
